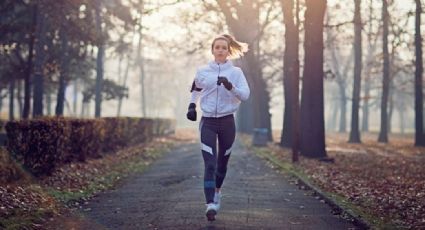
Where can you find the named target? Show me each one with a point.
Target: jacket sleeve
(200, 79)
(241, 88)
(194, 96)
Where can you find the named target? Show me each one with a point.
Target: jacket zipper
(216, 101)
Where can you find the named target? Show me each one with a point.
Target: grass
(24, 220)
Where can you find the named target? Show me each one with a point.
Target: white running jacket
(217, 101)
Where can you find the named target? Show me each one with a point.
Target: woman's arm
(241, 88)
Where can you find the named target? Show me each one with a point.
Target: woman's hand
(191, 112)
(227, 84)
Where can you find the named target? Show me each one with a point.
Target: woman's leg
(226, 137)
(208, 134)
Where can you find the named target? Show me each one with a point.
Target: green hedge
(42, 144)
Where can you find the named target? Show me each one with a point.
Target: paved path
(169, 195)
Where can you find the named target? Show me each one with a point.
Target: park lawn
(382, 183)
(31, 203)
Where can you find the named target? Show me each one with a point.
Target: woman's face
(220, 50)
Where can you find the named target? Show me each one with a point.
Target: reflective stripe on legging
(213, 129)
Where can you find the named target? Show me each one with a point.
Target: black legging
(211, 129)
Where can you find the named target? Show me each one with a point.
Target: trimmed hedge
(41, 145)
(86, 139)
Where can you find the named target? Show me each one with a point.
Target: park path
(169, 195)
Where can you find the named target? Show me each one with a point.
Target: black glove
(191, 113)
(225, 82)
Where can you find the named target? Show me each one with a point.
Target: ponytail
(236, 48)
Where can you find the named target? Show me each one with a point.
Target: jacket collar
(215, 66)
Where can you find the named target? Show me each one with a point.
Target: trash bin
(260, 137)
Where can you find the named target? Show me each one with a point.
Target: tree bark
(290, 76)
(312, 101)
(343, 107)
(365, 107)
(63, 72)
(402, 121)
(383, 134)
(354, 132)
(29, 69)
(124, 84)
(331, 123)
(99, 61)
(48, 98)
(19, 97)
(141, 62)
(12, 99)
(75, 97)
(391, 107)
(38, 63)
(419, 135)
(370, 51)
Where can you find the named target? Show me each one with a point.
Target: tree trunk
(19, 98)
(419, 135)
(38, 63)
(372, 45)
(253, 113)
(245, 116)
(391, 107)
(259, 94)
(75, 97)
(290, 75)
(383, 134)
(402, 122)
(99, 61)
(29, 69)
(48, 96)
(365, 106)
(63, 72)
(312, 104)
(343, 107)
(124, 84)
(83, 109)
(295, 95)
(332, 120)
(140, 60)
(354, 132)
(12, 99)
(60, 95)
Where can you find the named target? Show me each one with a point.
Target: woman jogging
(221, 87)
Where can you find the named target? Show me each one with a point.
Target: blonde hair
(236, 48)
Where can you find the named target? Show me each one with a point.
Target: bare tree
(383, 134)
(419, 135)
(100, 59)
(290, 71)
(312, 104)
(244, 21)
(354, 132)
(39, 60)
